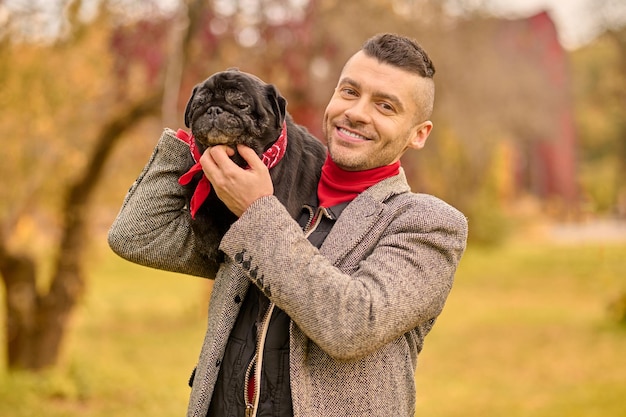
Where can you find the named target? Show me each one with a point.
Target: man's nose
(358, 111)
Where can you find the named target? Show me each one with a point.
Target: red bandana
(338, 186)
(270, 158)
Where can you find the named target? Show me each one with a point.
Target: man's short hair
(401, 52)
(405, 53)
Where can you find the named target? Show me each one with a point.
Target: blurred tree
(59, 131)
(600, 79)
(618, 36)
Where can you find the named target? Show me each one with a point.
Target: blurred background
(529, 142)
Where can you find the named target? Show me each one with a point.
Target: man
(325, 317)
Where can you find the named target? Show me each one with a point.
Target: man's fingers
(212, 161)
(221, 154)
(237, 187)
(250, 157)
(216, 159)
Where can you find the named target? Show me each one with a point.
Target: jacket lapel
(350, 228)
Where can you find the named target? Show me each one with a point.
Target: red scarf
(338, 185)
(270, 158)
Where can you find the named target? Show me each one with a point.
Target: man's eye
(348, 92)
(386, 107)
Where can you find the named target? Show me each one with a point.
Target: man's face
(373, 115)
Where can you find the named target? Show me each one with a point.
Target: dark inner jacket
(275, 398)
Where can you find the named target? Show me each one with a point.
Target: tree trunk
(21, 303)
(36, 323)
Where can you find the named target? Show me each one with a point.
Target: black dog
(233, 107)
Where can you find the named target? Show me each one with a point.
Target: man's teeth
(352, 134)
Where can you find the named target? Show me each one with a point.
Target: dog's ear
(188, 108)
(278, 103)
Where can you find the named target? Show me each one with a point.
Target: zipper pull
(248, 397)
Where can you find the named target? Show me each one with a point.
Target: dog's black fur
(232, 107)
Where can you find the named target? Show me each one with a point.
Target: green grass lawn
(526, 332)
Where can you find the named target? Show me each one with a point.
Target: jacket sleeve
(153, 227)
(393, 277)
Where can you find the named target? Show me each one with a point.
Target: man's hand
(238, 188)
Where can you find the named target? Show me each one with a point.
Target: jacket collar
(361, 215)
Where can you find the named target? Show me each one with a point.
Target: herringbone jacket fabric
(360, 306)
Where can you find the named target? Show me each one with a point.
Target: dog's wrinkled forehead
(233, 83)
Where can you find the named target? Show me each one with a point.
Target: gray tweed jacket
(360, 306)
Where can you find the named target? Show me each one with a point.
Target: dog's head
(233, 107)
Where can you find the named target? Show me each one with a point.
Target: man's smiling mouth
(351, 134)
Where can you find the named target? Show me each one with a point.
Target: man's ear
(420, 134)
(188, 108)
(278, 103)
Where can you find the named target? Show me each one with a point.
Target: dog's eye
(242, 105)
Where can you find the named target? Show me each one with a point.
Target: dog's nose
(214, 110)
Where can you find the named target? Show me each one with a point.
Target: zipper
(311, 217)
(314, 220)
(256, 364)
(249, 405)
